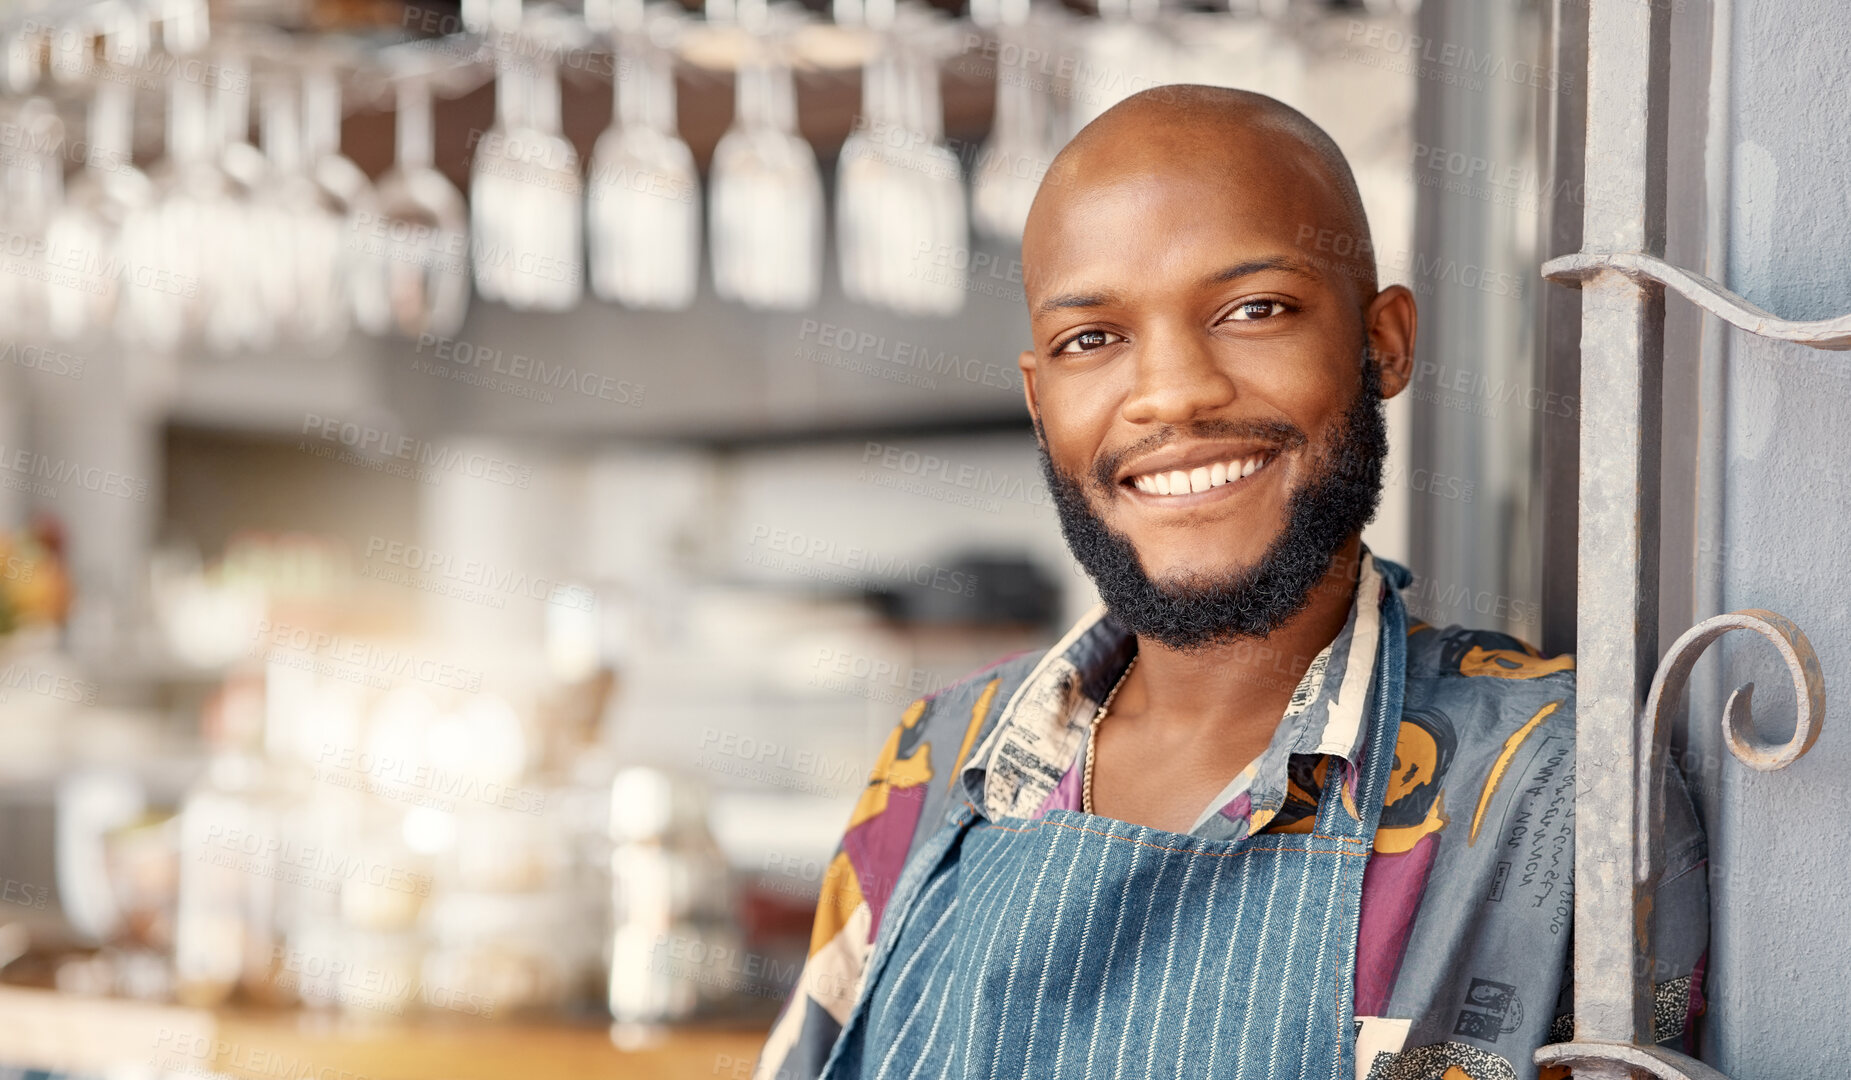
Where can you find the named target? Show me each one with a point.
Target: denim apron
(1078, 946)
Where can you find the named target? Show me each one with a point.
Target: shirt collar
(1045, 721)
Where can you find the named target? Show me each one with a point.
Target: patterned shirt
(1463, 947)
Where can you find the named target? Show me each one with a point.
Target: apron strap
(1382, 716)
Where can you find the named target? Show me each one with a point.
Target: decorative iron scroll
(1639, 1060)
(1834, 333)
(1748, 747)
(1737, 720)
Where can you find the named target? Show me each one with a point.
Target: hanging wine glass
(492, 181)
(492, 19)
(526, 194)
(68, 60)
(84, 237)
(302, 274)
(643, 195)
(901, 230)
(31, 190)
(250, 283)
(550, 252)
(767, 192)
(126, 33)
(1012, 161)
(1124, 52)
(169, 244)
(863, 177)
(421, 227)
(349, 196)
(184, 26)
(1254, 50)
(19, 59)
(925, 249)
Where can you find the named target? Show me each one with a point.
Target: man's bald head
(1210, 354)
(1235, 138)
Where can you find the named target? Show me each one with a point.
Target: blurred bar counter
(58, 1035)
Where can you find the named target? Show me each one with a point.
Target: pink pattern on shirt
(1393, 884)
(1239, 808)
(1066, 794)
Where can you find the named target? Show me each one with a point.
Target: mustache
(1276, 434)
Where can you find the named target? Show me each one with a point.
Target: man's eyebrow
(1284, 263)
(1075, 300)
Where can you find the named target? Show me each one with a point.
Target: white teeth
(1201, 478)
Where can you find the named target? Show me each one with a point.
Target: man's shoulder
(1487, 692)
(1456, 651)
(978, 696)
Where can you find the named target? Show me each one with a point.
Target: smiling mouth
(1175, 482)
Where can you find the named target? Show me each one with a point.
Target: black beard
(1196, 611)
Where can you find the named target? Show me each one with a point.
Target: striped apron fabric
(1078, 946)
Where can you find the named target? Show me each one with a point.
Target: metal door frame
(1625, 696)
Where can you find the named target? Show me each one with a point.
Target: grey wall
(1474, 399)
(1780, 847)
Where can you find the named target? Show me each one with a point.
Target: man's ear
(1390, 322)
(1026, 361)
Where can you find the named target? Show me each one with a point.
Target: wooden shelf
(63, 1033)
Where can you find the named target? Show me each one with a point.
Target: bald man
(1246, 818)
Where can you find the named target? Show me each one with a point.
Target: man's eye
(1087, 340)
(1257, 309)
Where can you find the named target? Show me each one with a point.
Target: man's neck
(1244, 686)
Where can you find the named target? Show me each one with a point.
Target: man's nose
(1178, 378)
